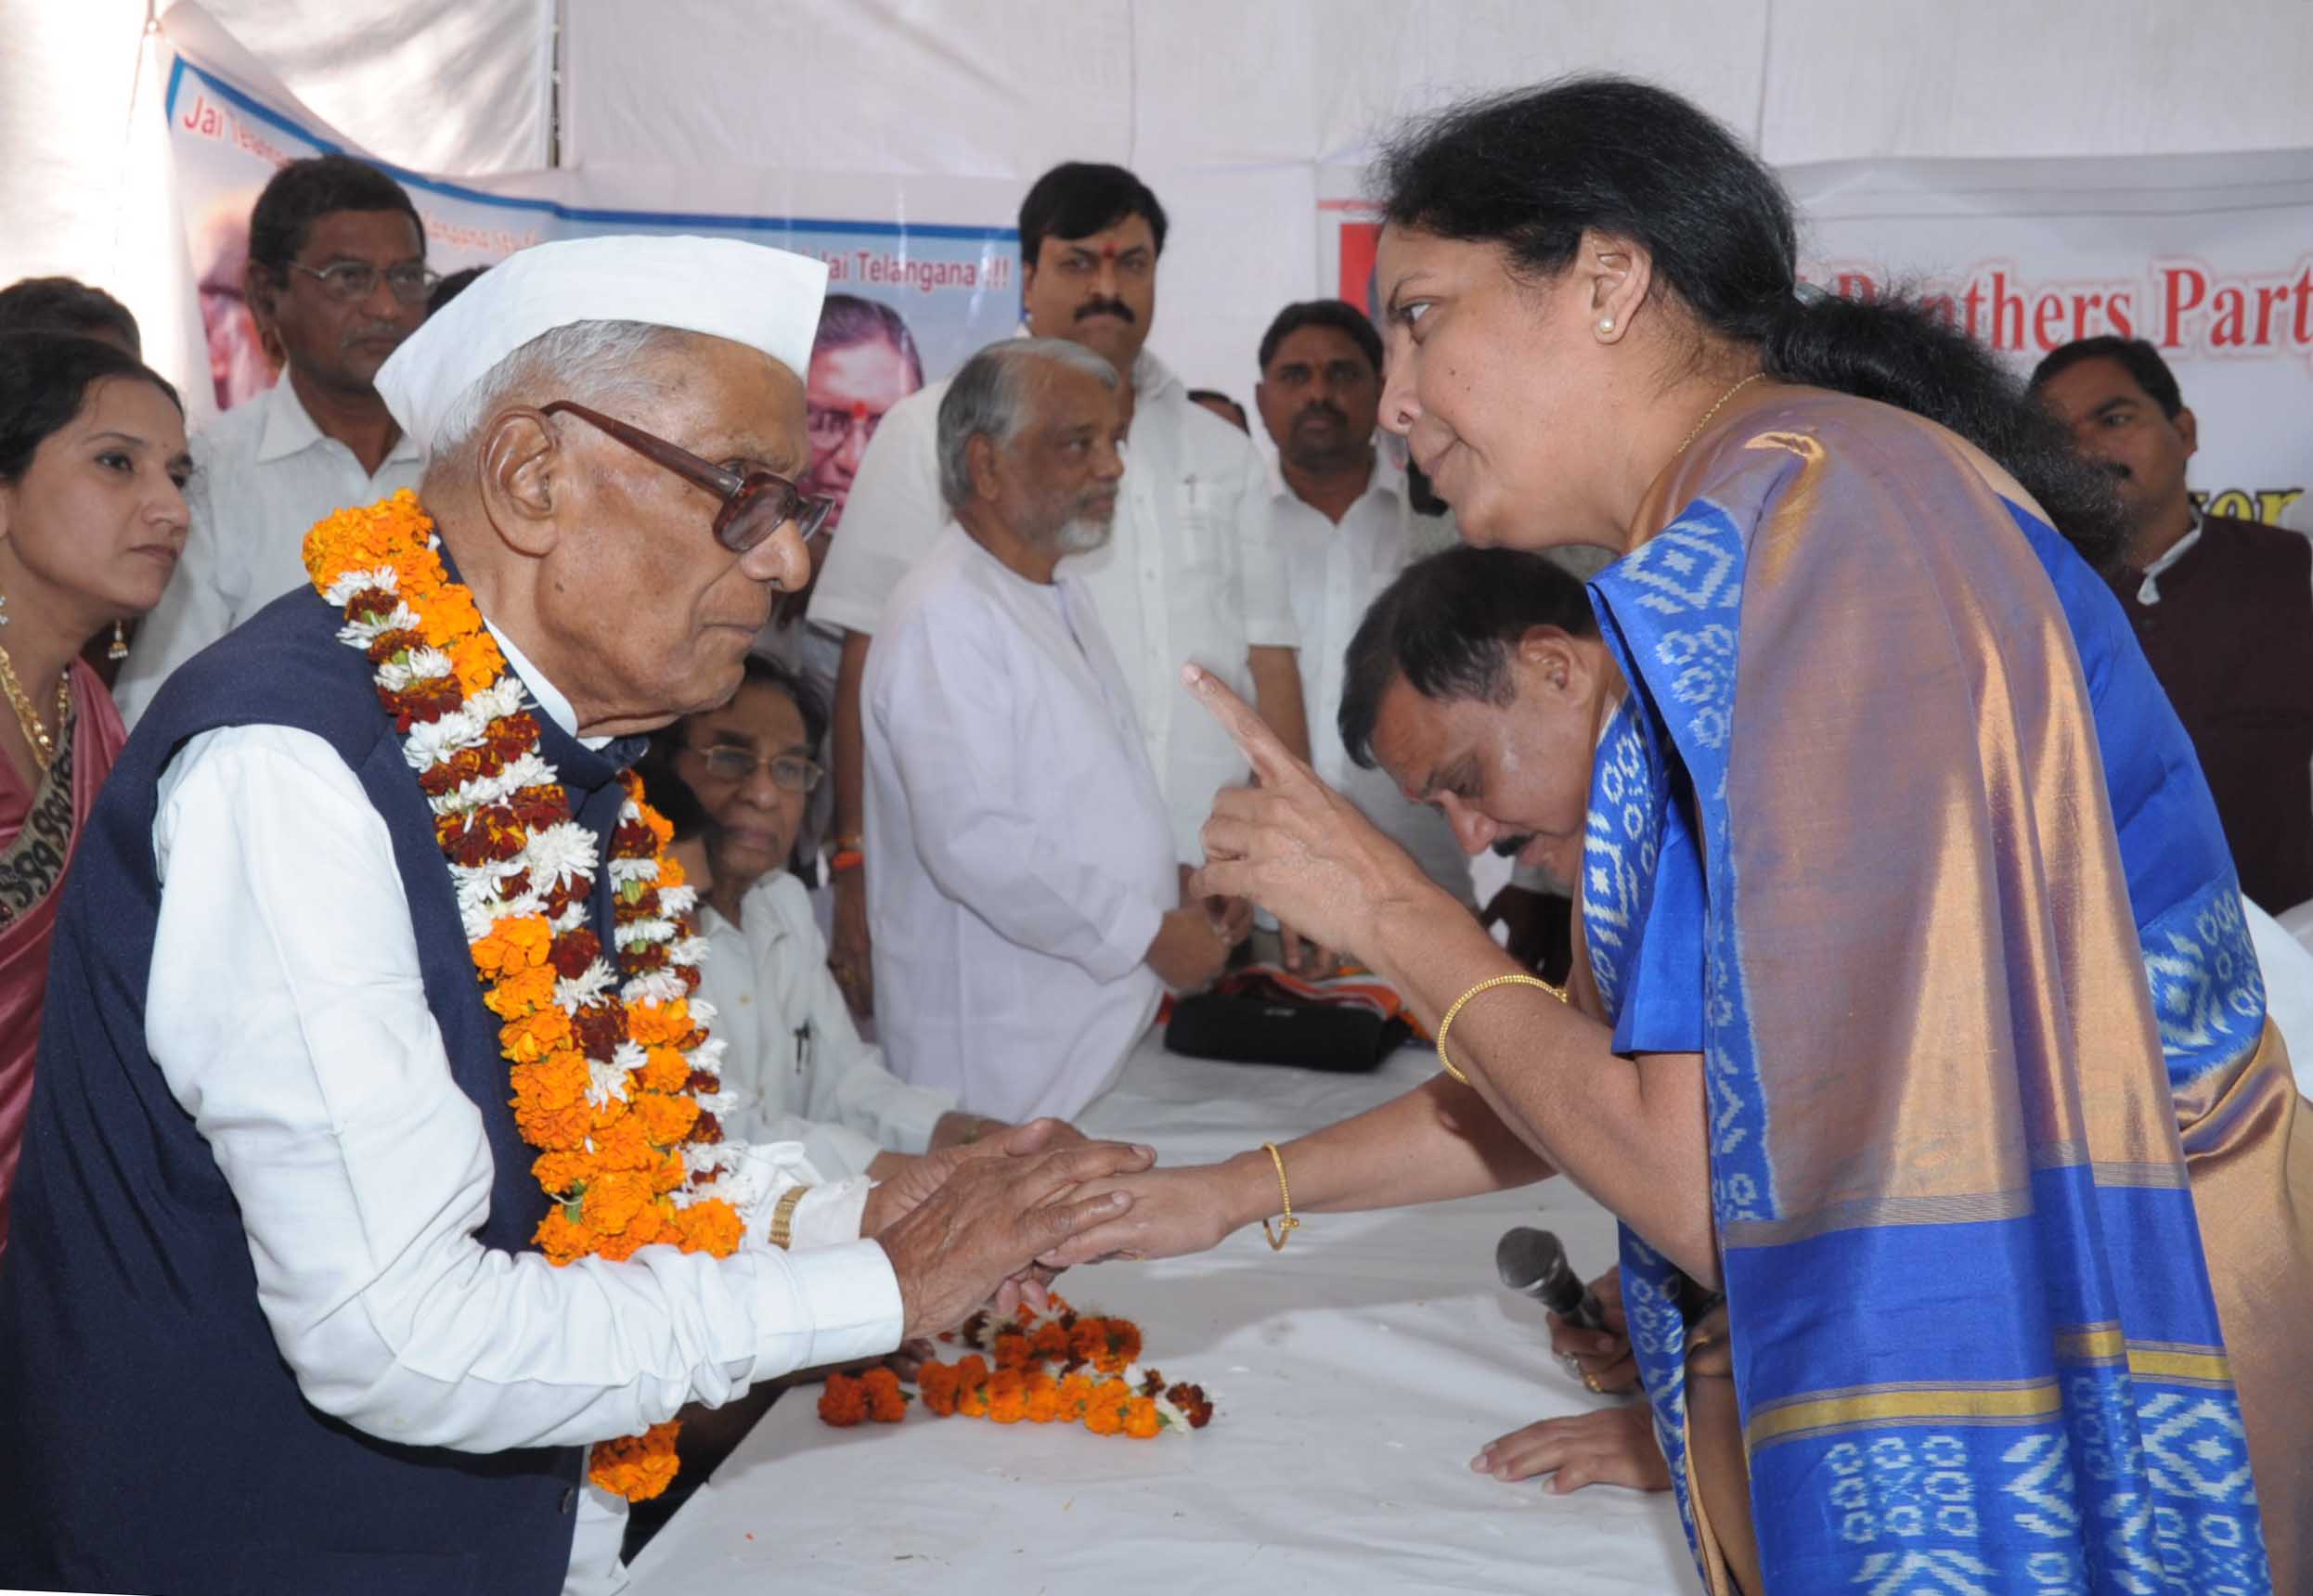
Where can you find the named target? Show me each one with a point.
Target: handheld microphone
(1532, 1263)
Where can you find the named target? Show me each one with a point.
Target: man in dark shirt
(2223, 608)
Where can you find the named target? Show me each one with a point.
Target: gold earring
(119, 651)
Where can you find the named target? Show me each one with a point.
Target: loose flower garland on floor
(614, 1076)
(1097, 1383)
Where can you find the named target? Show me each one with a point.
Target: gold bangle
(1447, 1024)
(1287, 1226)
(783, 1215)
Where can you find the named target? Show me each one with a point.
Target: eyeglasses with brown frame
(755, 504)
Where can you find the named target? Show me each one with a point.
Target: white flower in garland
(563, 852)
(369, 628)
(418, 665)
(641, 933)
(660, 986)
(379, 578)
(587, 987)
(606, 1082)
(433, 742)
(625, 872)
(524, 770)
(678, 900)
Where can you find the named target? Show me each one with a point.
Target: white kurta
(1334, 572)
(1020, 856)
(265, 473)
(792, 1055)
(1192, 571)
(287, 1013)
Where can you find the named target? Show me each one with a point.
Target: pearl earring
(1606, 325)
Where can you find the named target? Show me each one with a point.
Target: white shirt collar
(549, 697)
(1386, 478)
(290, 429)
(2149, 591)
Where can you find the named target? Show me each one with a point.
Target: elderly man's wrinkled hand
(991, 1218)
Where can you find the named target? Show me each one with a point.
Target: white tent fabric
(1228, 109)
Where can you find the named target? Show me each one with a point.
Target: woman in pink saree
(93, 466)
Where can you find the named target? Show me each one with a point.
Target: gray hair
(603, 365)
(988, 398)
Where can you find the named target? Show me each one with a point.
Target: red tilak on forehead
(1108, 251)
(858, 410)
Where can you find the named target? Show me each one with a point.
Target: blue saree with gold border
(1850, 841)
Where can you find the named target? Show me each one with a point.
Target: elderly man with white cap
(373, 1174)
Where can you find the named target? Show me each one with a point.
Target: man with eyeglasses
(337, 278)
(279, 1233)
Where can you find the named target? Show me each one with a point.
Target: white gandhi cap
(764, 298)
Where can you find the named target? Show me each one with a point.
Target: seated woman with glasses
(793, 1054)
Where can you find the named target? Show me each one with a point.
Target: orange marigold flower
(559, 1129)
(666, 1120)
(449, 615)
(560, 1172)
(658, 824)
(1089, 1339)
(887, 1404)
(637, 1467)
(842, 1402)
(1011, 1350)
(1007, 1398)
(1075, 1393)
(615, 1201)
(557, 1079)
(622, 1140)
(1141, 1421)
(1043, 1398)
(935, 1382)
(656, 1025)
(561, 1238)
(1104, 1420)
(523, 991)
(515, 942)
(712, 1226)
(971, 1370)
(1051, 1342)
(1124, 1346)
(671, 873)
(671, 1173)
(666, 1071)
(476, 662)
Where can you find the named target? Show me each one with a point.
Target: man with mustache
(1192, 570)
(1027, 907)
(2223, 608)
(1348, 526)
(338, 278)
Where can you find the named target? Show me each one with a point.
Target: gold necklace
(1715, 409)
(43, 744)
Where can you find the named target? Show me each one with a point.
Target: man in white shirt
(1192, 571)
(337, 271)
(1348, 526)
(792, 1056)
(276, 1230)
(1025, 900)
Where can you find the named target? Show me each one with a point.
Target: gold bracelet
(1287, 1226)
(783, 1215)
(1447, 1024)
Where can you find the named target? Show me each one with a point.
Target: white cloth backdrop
(1228, 107)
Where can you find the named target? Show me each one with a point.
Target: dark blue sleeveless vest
(152, 1439)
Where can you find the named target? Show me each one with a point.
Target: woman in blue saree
(1864, 1041)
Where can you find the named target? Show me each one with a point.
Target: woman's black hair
(1531, 170)
(1447, 625)
(44, 379)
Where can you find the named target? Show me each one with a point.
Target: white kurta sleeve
(982, 824)
(894, 512)
(847, 1083)
(287, 1012)
(194, 611)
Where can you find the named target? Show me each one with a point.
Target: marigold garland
(614, 1075)
(1097, 1384)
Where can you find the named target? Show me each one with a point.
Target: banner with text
(2209, 258)
(922, 272)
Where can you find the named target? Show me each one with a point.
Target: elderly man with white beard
(1026, 908)
(371, 1007)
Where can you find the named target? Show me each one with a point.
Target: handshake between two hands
(969, 1223)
